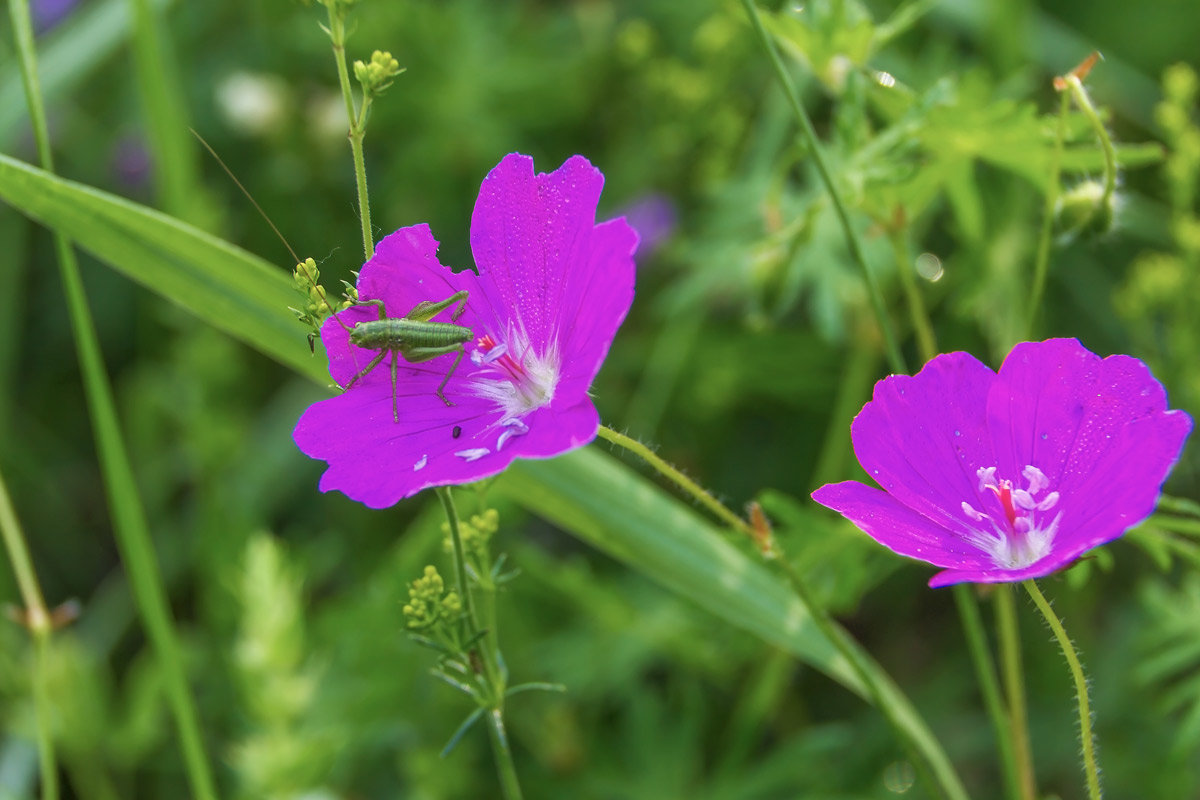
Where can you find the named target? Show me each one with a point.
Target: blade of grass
(177, 183)
(129, 522)
(225, 286)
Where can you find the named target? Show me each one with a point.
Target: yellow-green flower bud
(376, 75)
(1084, 210)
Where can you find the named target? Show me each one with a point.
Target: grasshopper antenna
(263, 214)
(249, 197)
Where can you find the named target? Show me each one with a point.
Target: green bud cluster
(476, 532)
(429, 603)
(376, 75)
(316, 305)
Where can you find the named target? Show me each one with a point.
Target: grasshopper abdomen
(397, 333)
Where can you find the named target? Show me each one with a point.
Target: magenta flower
(1008, 476)
(551, 290)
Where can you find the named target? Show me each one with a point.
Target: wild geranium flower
(551, 290)
(1005, 476)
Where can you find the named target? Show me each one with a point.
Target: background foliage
(749, 348)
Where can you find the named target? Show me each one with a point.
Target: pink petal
(530, 234)
(899, 528)
(923, 438)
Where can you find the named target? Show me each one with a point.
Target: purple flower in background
(552, 289)
(1000, 477)
(48, 13)
(653, 217)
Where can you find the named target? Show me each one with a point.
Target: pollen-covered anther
(517, 384)
(1020, 539)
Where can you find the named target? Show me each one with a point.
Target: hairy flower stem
(948, 782)
(672, 474)
(985, 673)
(486, 647)
(357, 122)
(1080, 96)
(1014, 684)
(129, 518)
(37, 619)
(1041, 264)
(1086, 737)
(895, 359)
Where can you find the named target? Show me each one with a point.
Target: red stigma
(1003, 493)
(515, 369)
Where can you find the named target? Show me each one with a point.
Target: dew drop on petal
(421, 462)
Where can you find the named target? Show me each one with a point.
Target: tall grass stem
(895, 358)
(129, 521)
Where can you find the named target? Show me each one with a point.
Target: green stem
(501, 752)
(922, 326)
(985, 673)
(337, 34)
(1041, 264)
(166, 119)
(950, 785)
(1081, 689)
(895, 359)
(672, 474)
(1080, 95)
(37, 618)
(129, 522)
(503, 755)
(1014, 684)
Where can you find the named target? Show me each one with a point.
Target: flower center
(515, 377)
(1020, 535)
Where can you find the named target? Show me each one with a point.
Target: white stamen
(1048, 501)
(972, 513)
(513, 427)
(474, 454)
(1037, 479)
(1023, 499)
(987, 477)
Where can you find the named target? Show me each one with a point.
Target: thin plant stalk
(895, 359)
(1080, 96)
(1014, 684)
(501, 752)
(989, 685)
(37, 619)
(922, 326)
(701, 495)
(1086, 737)
(129, 521)
(1041, 264)
(357, 122)
(177, 184)
(946, 779)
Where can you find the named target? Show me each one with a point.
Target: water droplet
(958, 433)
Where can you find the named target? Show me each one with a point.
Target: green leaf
(225, 286)
(665, 539)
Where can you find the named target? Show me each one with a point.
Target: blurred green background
(749, 347)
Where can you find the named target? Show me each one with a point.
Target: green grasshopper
(413, 337)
